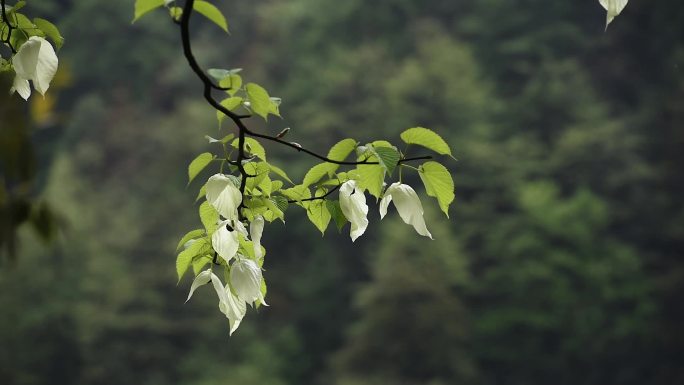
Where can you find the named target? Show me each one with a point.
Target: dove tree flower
(223, 196)
(354, 208)
(613, 8)
(245, 278)
(256, 229)
(231, 306)
(408, 205)
(35, 61)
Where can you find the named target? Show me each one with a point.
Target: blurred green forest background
(561, 264)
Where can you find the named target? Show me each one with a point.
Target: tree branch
(9, 27)
(243, 131)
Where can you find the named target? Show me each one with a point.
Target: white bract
(225, 239)
(223, 196)
(354, 208)
(613, 8)
(35, 61)
(408, 205)
(233, 308)
(256, 229)
(245, 277)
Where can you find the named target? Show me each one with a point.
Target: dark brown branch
(243, 131)
(9, 27)
(332, 190)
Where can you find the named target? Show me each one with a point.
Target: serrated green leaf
(185, 257)
(438, 183)
(209, 217)
(198, 263)
(297, 193)
(281, 202)
(252, 146)
(336, 213)
(388, 158)
(265, 185)
(202, 192)
(426, 138)
(319, 171)
(230, 104)
(51, 31)
(233, 82)
(218, 73)
(144, 6)
(223, 140)
(260, 101)
(276, 185)
(275, 208)
(198, 164)
(318, 214)
(342, 149)
(259, 170)
(190, 235)
(278, 171)
(212, 13)
(370, 177)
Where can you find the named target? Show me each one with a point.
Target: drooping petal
(245, 278)
(22, 87)
(36, 60)
(218, 287)
(240, 228)
(46, 67)
(225, 241)
(256, 229)
(202, 279)
(223, 195)
(354, 208)
(234, 308)
(25, 60)
(384, 204)
(409, 207)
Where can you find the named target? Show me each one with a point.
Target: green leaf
(198, 263)
(259, 170)
(230, 104)
(185, 257)
(318, 214)
(275, 206)
(438, 183)
(252, 146)
(144, 6)
(223, 140)
(260, 101)
(336, 213)
(371, 177)
(190, 235)
(218, 73)
(50, 30)
(280, 173)
(319, 171)
(212, 13)
(209, 217)
(233, 81)
(388, 158)
(198, 164)
(426, 138)
(297, 193)
(342, 149)
(202, 192)
(280, 202)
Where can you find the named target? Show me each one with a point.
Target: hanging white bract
(35, 61)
